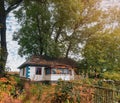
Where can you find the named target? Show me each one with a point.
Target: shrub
(63, 92)
(70, 92)
(8, 90)
(32, 93)
(112, 75)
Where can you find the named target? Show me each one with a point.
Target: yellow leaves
(112, 75)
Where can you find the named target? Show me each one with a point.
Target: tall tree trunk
(58, 34)
(3, 46)
(68, 50)
(3, 55)
(40, 39)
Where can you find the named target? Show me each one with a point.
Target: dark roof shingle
(46, 61)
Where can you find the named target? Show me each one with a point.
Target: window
(64, 70)
(60, 71)
(38, 71)
(23, 71)
(70, 72)
(47, 71)
(53, 71)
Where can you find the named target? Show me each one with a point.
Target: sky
(14, 60)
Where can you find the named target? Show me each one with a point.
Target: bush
(70, 92)
(8, 90)
(63, 92)
(32, 93)
(112, 75)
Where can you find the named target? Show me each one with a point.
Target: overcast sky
(14, 60)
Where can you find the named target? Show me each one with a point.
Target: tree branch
(68, 49)
(41, 1)
(13, 6)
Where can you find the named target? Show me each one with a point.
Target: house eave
(30, 64)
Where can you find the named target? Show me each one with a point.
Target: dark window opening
(23, 71)
(38, 71)
(53, 71)
(47, 71)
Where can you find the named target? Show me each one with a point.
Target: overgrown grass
(13, 90)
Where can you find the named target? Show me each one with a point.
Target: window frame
(23, 71)
(53, 71)
(38, 71)
(47, 73)
(62, 71)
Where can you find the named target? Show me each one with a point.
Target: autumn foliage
(8, 90)
(14, 90)
(70, 92)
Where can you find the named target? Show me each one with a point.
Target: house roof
(46, 61)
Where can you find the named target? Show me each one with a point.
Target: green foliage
(79, 91)
(63, 92)
(14, 90)
(8, 85)
(34, 36)
(72, 19)
(36, 90)
(56, 28)
(113, 75)
(73, 92)
(101, 52)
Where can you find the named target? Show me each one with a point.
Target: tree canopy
(64, 28)
(61, 27)
(34, 35)
(102, 51)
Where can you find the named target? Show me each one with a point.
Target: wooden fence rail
(97, 94)
(104, 95)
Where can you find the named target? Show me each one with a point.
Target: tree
(69, 20)
(102, 52)
(74, 22)
(34, 37)
(6, 6)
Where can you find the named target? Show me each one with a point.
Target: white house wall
(72, 76)
(55, 77)
(21, 72)
(33, 75)
(44, 77)
(47, 77)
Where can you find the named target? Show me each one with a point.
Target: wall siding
(21, 72)
(56, 77)
(31, 73)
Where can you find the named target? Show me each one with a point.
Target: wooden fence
(97, 94)
(102, 94)
(105, 95)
